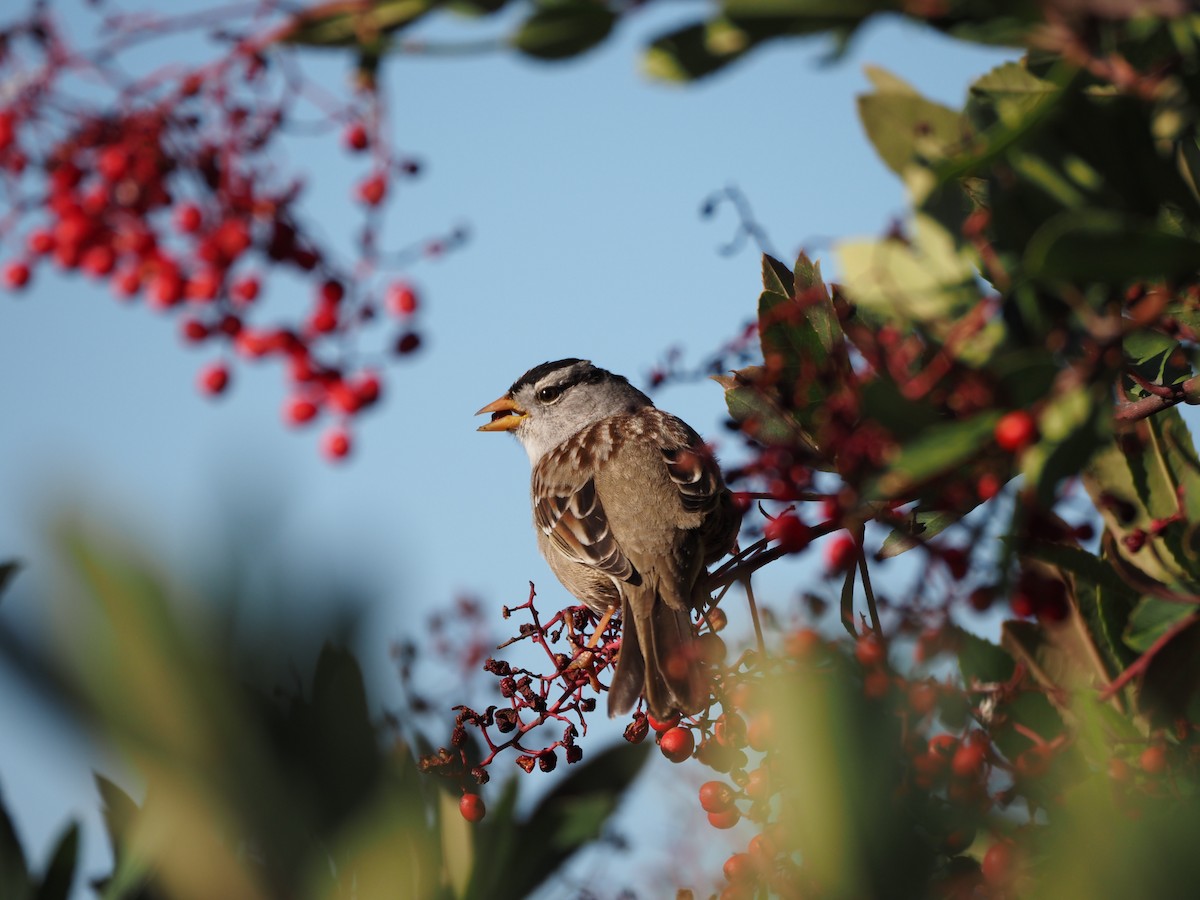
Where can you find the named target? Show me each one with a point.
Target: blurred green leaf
(824, 10)
(1154, 357)
(696, 51)
(331, 25)
(939, 449)
(983, 663)
(1140, 484)
(1070, 428)
(60, 873)
(1151, 619)
(904, 127)
(14, 873)
(754, 407)
(510, 865)
(564, 28)
(917, 528)
(1092, 245)
(927, 279)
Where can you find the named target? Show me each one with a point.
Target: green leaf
(939, 449)
(330, 25)
(905, 128)
(810, 288)
(14, 873)
(824, 10)
(918, 528)
(1153, 356)
(927, 279)
(60, 873)
(1085, 246)
(984, 663)
(1071, 426)
(696, 51)
(776, 277)
(572, 814)
(564, 29)
(1014, 93)
(981, 661)
(1151, 619)
(1138, 486)
(754, 407)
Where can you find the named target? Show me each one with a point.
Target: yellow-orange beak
(506, 415)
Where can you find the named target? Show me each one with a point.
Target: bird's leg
(604, 620)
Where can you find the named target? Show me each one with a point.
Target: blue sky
(581, 184)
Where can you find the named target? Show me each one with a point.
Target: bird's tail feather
(658, 659)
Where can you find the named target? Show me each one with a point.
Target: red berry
(231, 238)
(7, 130)
(16, 275)
(245, 290)
(214, 379)
(113, 162)
(336, 444)
(740, 867)
(677, 744)
(98, 260)
(1023, 605)
(758, 783)
(841, 553)
(166, 289)
(869, 651)
(40, 242)
(472, 808)
(408, 342)
(324, 320)
(792, 534)
(331, 292)
(1153, 760)
(126, 282)
(372, 190)
(957, 561)
(194, 330)
(760, 734)
(726, 819)
(998, 863)
(968, 760)
(343, 397)
(1119, 770)
(716, 796)
(401, 299)
(661, 725)
(188, 218)
(356, 137)
(988, 486)
(297, 411)
(367, 389)
(981, 598)
(1015, 431)
(803, 643)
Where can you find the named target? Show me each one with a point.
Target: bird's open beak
(506, 415)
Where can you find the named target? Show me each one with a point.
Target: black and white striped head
(553, 401)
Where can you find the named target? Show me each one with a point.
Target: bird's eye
(549, 394)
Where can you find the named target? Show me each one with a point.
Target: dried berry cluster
(172, 194)
(543, 712)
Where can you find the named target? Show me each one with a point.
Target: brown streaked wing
(573, 518)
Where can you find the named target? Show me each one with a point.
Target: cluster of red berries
(173, 196)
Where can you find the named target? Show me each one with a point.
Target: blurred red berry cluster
(170, 190)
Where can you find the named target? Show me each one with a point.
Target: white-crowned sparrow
(630, 508)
